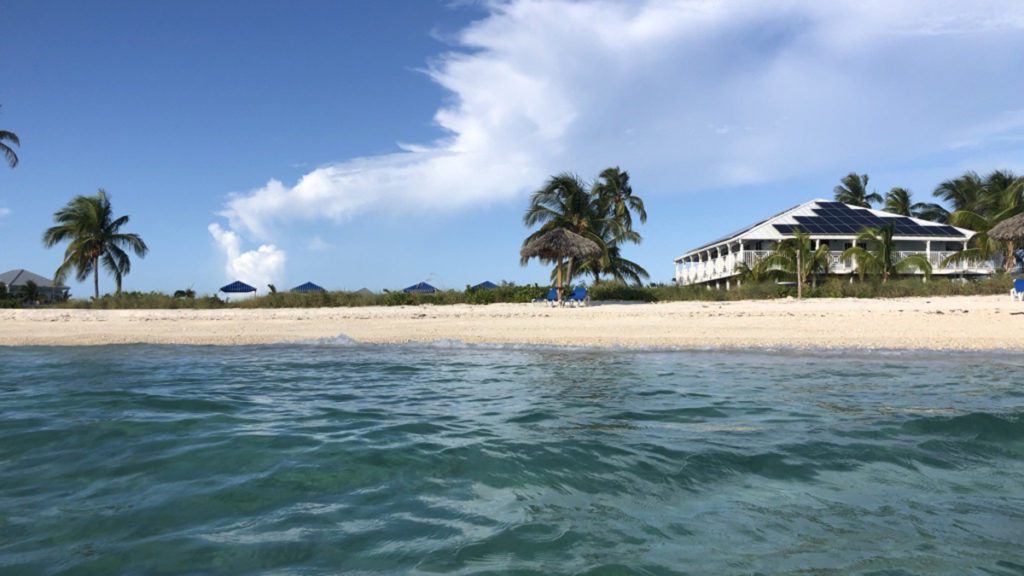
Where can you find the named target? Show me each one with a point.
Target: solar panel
(838, 218)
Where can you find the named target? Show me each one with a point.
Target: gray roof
(21, 277)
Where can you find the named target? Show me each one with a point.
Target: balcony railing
(725, 266)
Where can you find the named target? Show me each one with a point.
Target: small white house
(831, 224)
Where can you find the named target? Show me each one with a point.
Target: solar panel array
(838, 218)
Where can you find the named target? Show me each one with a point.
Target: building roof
(830, 219)
(21, 277)
(237, 286)
(422, 287)
(308, 287)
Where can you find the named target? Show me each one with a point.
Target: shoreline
(984, 323)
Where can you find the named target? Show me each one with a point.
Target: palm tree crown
(94, 236)
(853, 190)
(881, 257)
(602, 213)
(797, 256)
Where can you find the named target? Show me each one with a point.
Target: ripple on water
(334, 456)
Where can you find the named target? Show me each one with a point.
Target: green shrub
(617, 291)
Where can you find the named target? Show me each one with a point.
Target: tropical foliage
(797, 258)
(853, 190)
(900, 201)
(880, 258)
(94, 238)
(603, 213)
(979, 204)
(7, 139)
(761, 271)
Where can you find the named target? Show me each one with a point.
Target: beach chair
(578, 297)
(1017, 292)
(551, 299)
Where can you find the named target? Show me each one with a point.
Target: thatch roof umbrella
(1010, 231)
(556, 245)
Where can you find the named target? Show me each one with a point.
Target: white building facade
(831, 224)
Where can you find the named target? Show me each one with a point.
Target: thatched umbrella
(1010, 231)
(556, 245)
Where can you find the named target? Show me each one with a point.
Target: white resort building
(831, 224)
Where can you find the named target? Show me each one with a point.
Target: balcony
(724, 266)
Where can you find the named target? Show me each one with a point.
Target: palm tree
(900, 201)
(563, 202)
(602, 213)
(759, 272)
(94, 237)
(795, 256)
(979, 205)
(853, 190)
(881, 258)
(964, 193)
(613, 188)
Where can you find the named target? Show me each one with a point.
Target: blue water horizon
(337, 457)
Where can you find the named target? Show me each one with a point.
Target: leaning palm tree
(853, 190)
(796, 256)
(881, 258)
(94, 237)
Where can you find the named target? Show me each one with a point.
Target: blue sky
(379, 144)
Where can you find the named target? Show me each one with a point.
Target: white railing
(725, 266)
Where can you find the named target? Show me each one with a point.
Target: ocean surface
(333, 457)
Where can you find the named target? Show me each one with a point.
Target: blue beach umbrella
(421, 288)
(237, 287)
(485, 285)
(308, 287)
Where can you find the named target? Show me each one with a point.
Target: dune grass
(831, 288)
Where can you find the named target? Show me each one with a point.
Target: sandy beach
(955, 323)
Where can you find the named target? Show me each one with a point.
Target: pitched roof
(237, 286)
(21, 277)
(421, 287)
(308, 287)
(825, 218)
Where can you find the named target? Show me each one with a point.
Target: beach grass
(512, 293)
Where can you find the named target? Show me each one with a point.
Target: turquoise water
(341, 458)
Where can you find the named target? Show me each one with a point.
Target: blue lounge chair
(578, 296)
(551, 297)
(1017, 292)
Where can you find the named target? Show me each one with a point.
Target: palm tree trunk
(799, 276)
(558, 279)
(568, 272)
(96, 276)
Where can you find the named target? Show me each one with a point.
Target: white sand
(975, 323)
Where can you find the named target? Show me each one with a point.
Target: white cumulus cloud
(258, 268)
(685, 94)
